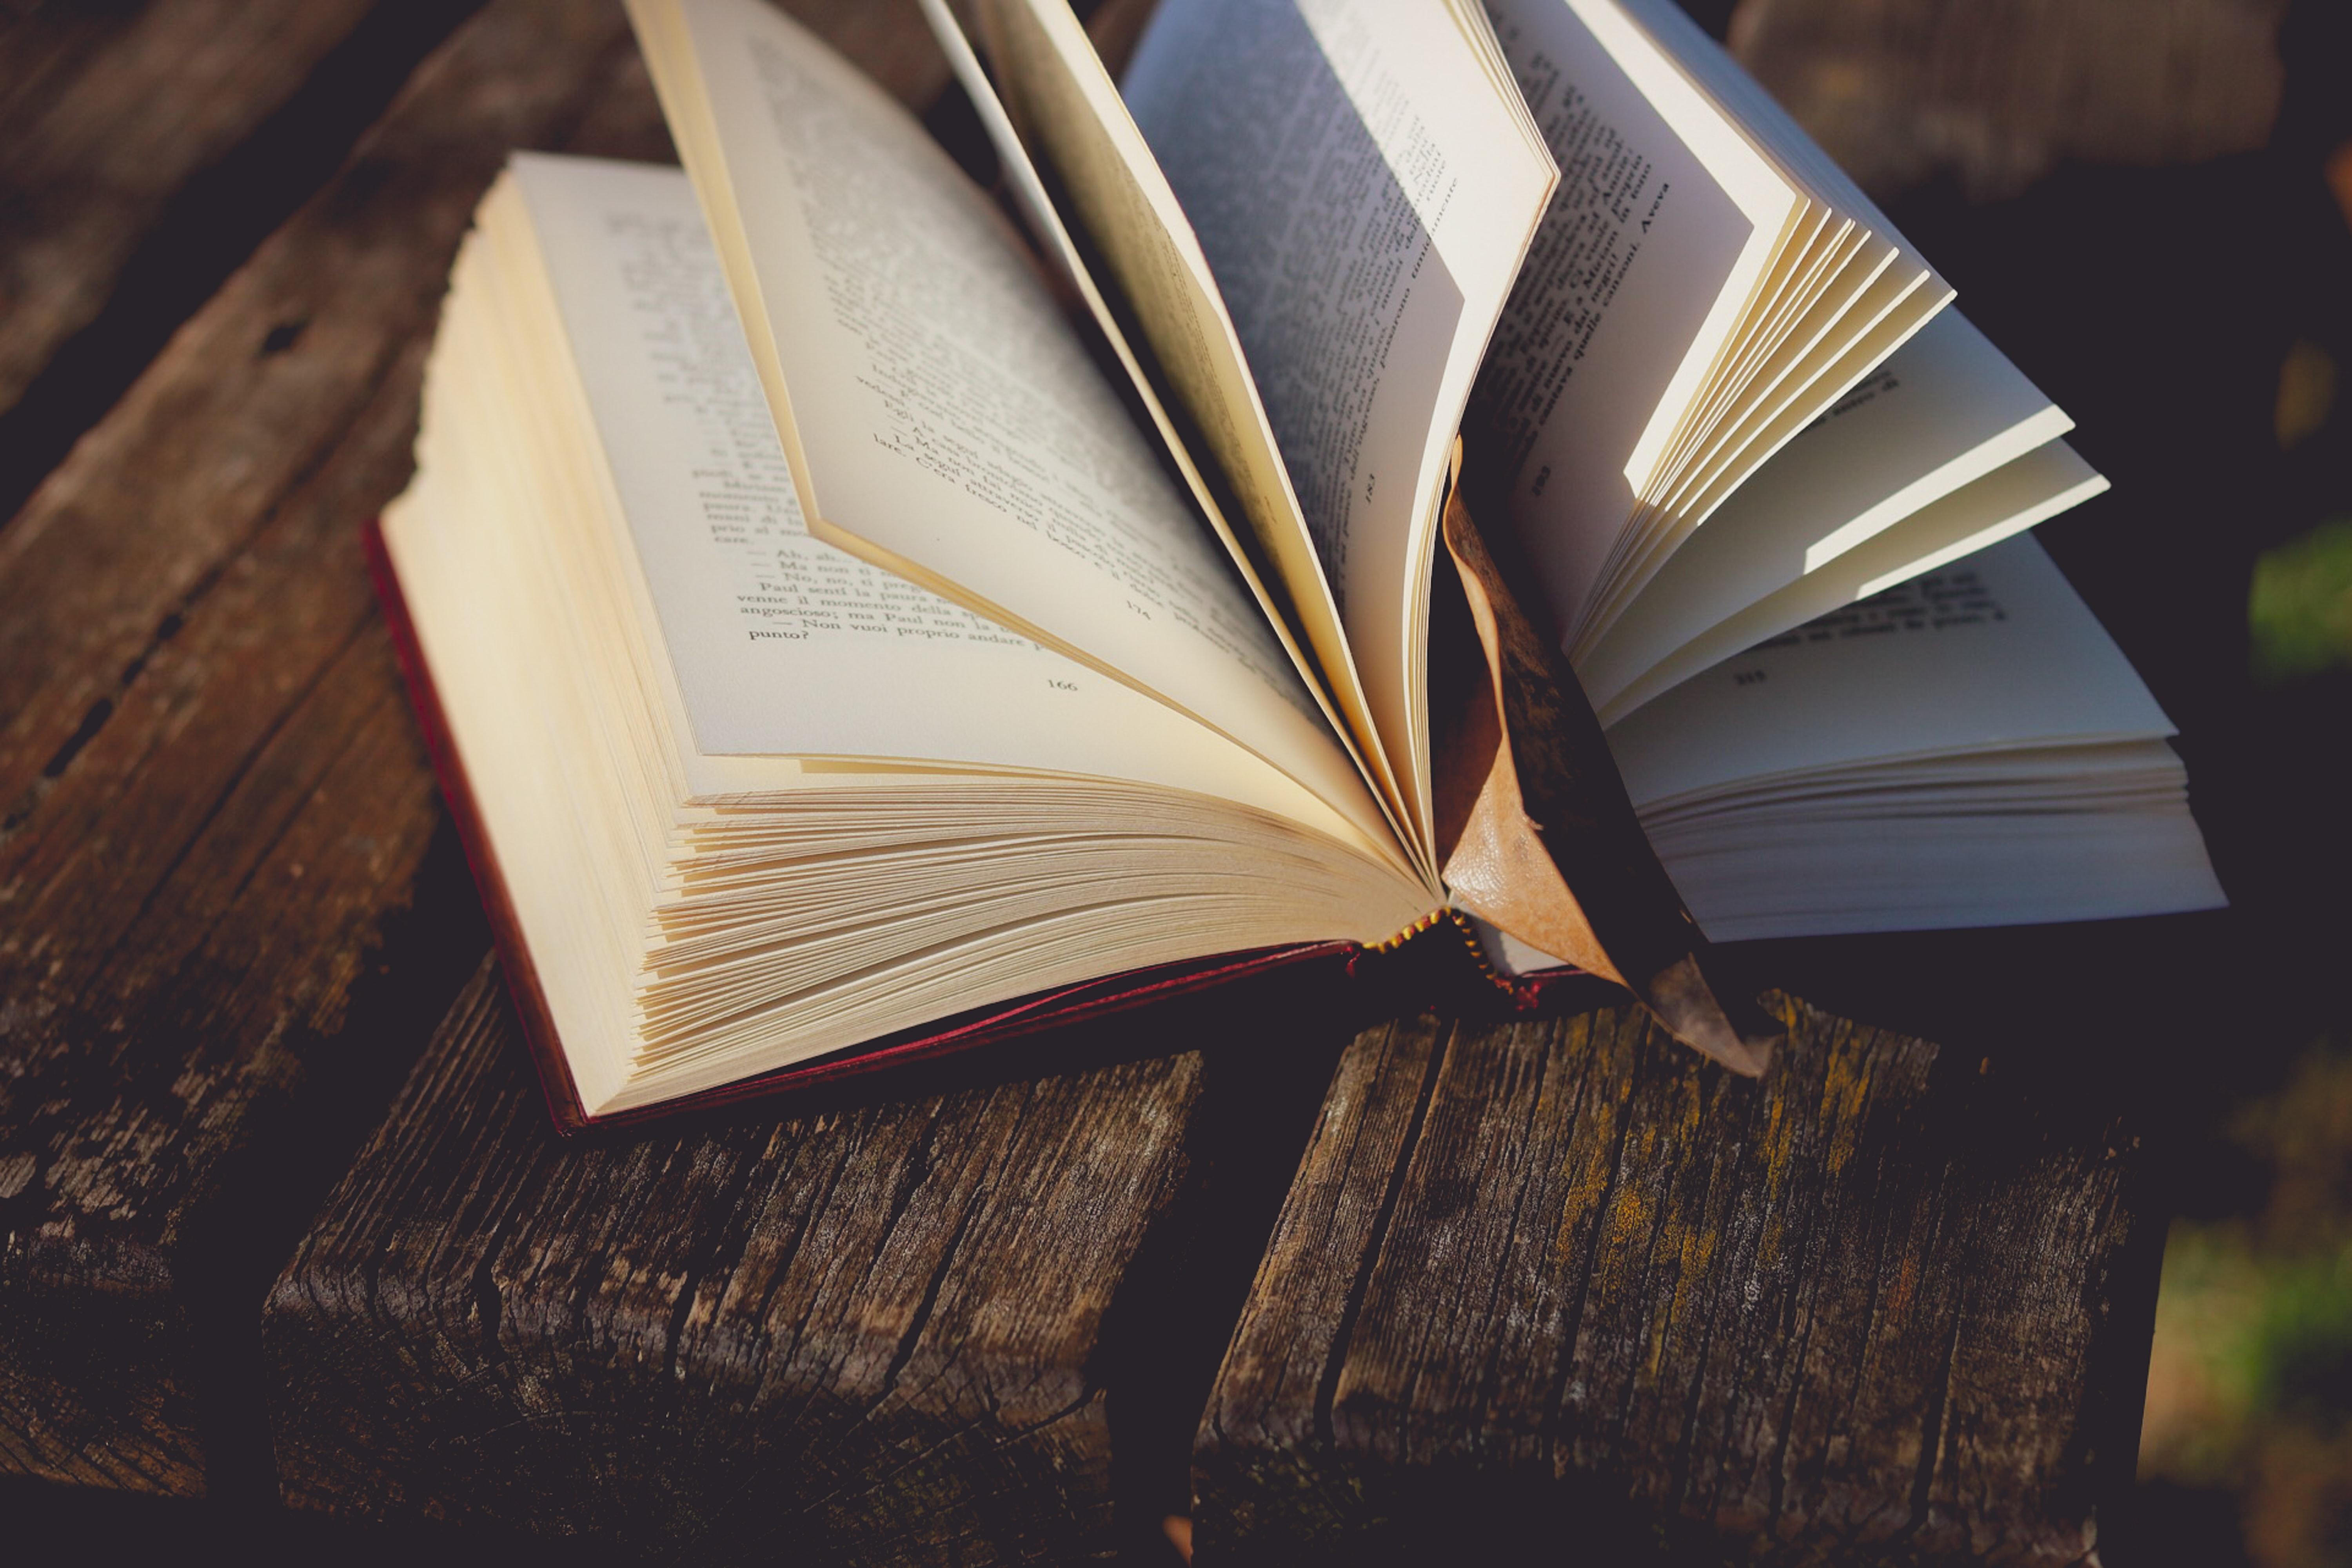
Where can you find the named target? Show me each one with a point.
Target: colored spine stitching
(1461, 924)
(1406, 935)
(1478, 952)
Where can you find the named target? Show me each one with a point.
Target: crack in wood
(1327, 1386)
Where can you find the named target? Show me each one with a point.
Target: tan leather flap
(1535, 832)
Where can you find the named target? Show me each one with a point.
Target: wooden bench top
(285, 1221)
(1562, 1279)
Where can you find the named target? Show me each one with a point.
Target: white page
(1947, 407)
(1660, 233)
(1362, 195)
(2063, 775)
(1055, 88)
(780, 644)
(1996, 652)
(1963, 869)
(1727, 82)
(1790, 393)
(1337, 695)
(940, 415)
(2011, 498)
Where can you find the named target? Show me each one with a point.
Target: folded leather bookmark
(1538, 837)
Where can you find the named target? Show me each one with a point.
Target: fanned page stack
(860, 618)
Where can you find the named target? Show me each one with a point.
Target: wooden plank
(106, 112)
(220, 935)
(1996, 92)
(144, 152)
(873, 1332)
(1563, 1281)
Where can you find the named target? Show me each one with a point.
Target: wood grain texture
(1562, 1291)
(1995, 92)
(106, 114)
(213, 805)
(868, 1333)
(146, 151)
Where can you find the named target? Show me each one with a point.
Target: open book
(852, 610)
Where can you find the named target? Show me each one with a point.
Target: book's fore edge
(522, 975)
(1372, 981)
(1024, 1020)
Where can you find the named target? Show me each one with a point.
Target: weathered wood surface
(106, 112)
(1564, 1291)
(213, 810)
(1995, 92)
(145, 150)
(877, 1331)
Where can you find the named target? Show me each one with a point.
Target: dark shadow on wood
(272, 1189)
(55, 1524)
(1171, 1318)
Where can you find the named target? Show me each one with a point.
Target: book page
(2013, 497)
(1663, 33)
(2034, 848)
(1763, 120)
(1349, 720)
(1995, 651)
(1660, 231)
(940, 415)
(1934, 415)
(1070, 118)
(1946, 408)
(779, 643)
(1363, 195)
